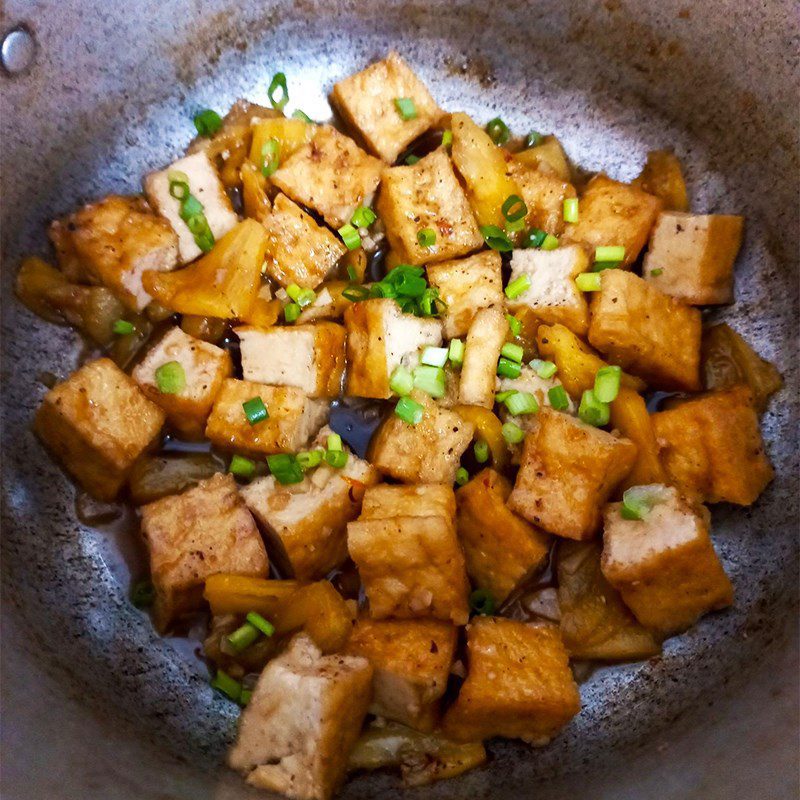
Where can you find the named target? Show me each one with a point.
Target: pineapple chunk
(662, 177)
(547, 156)
(290, 134)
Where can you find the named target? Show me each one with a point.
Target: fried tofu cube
(98, 422)
(302, 721)
(568, 472)
(485, 339)
(501, 548)
(204, 531)
(411, 660)
(379, 336)
(206, 186)
(410, 565)
(613, 213)
(429, 451)
(664, 565)
(427, 195)
(552, 296)
(544, 194)
(711, 447)
(205, 366)
(467, 285)
(385, 501)
(113, 242)
(366, 100)
(298, 249)
(309, 357)
(293, 418)
(646, 331)
(518, 685)
(691, 256)
(331, 175)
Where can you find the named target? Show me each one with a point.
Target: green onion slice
(363, 217)
(558, 398)
(410, 411)
(456, 352)
(402, 381)
(512, 351)
(609, 253)
(286, 468)
(405, 108)
(430, 380)
(606, 383)
(447, 138)
(482, 602)
(518, 286)
(512, 433)
(514, 324)
(255, 410)
(231, 688)
(544, 369)
(496, 238)
(241, 466)
(426, 237)
(278, 82)
(350, 236)
(291, 311)
(207, 122)
(481, 451)
(570, 209)
(497, 130)
(243, 637)
(550, 242)
(654, 273)
(411, 159)
(334, 442)
(270, 157)
(308, 459)
(522, 403)
(508, 369)
(336, 458)
(462, 476)
(534, 238)
(298, 114)
(123, 328)
(593, 411)
(501, 397)
(638, 501)
(263, 625)
(533, 138)
(171, 378)
(514, 208)
(588, 281)
(355, 293)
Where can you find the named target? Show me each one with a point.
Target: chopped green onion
(308, 459)
(207, 122)
(179, 190)
(191, 211)
(497, 130)
(123, 328)
(143, 594)
(243, 637)
(533, 138)
(334, 441)
(171, 378)
(522, 403)
(434, 356)
(291, 312)
(244, 696)
(298, 114)
(558, 398)
(336, 458)
(456, 352)
(303, 297)
(278, 82)
(638, 501)
(508, 369)
(293, 290)
(609, 253)
(228, 686)
(270, 157)
(430, 304)
(606, 383)
(533, 238)
(481, 451)
(177, 176)
(255, 410)
(447, 138)
(411, 159)
(482, 602)
(512, 433)
(514, 324)
(355, 293)
(512, 351)
(550, 242)
(599, 266)
(588, 281)
(654, 273)
(515, 227)
(426, 237)
(496, 238)
(409, 410)
(241, 466)
(501, 397)
(462, 476)
(592, 411)
(570, 209)
(190, 207)
(430, 380)
(263, 625)
(363, 217)
(514, 208)
(405, 108)
(402, 381)
(352, 275)
(544, 369)
(518, 286)
(350, 236)
(285, 467)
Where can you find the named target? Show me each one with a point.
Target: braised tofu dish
(412, 415)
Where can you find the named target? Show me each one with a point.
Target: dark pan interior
(95, 705)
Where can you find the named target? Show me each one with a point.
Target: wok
(97, 706)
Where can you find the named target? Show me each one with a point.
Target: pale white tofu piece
(205, 366)
(310, 357)
(367, 102)
(379, 336)
(467, 285)
(484, 341)
(304, 716)
(553, 296)
(206, 186)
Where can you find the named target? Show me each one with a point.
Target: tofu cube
(553, 296)
(366, 100)
(98, 422)
(298, 249)
(385, 501)
(206, 186)
(664, 565)
(544, 194)
(379, 336)
(429, 452)
(204, 531)
(501, 548)
(692, 256)
(711, 447)
(567, 474)
(613, 213)
(646, 331)
(205, 366)
(485, 339)
(518, 685)
(331, 175)
(302, 721)
(293, 418)
(467, 285)
(427, 195)
(411, 660)
(113, 242)
(309, 357)
(411, 564)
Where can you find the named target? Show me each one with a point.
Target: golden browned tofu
(410, 566)
(646, 331)
(595, 623)
(293, 418)
(711, 447)
(501, 548)
(331, 175)
(379, 336)
(298, 249)
(567, 473)
(205, 366)
(428, 452)
(467, 285)
(614, 214)
(425, 499)
(427, 196)
(691, 256)
(518, 684)
(544, 194)
(309, 357)
(98, 422)
(547, 156)
(366, 100)
(485, 339)
(304, 716)
(664, 565)
(113, 242)
(411, 660)
(204, 531)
